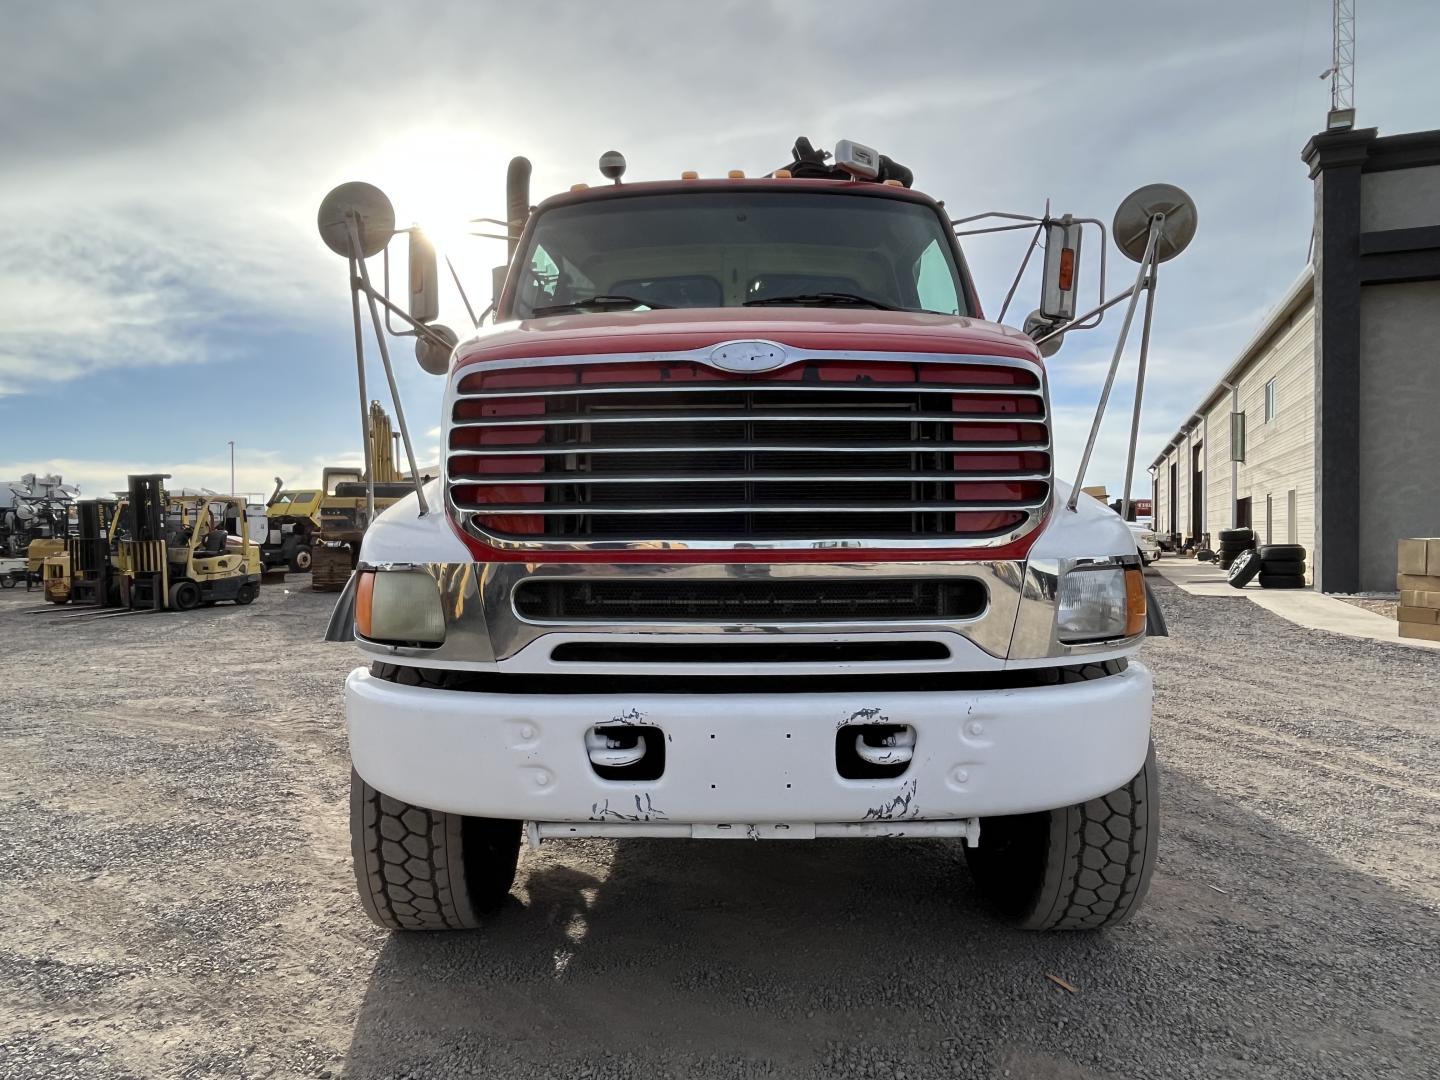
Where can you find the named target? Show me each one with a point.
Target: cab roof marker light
(782, 174)
(689, 174)
(736, 174)
(579, 187)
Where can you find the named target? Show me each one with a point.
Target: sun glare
(440, 180)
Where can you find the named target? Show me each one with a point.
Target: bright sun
(440, 180)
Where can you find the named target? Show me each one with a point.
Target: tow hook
(614, 750)
(895, 747)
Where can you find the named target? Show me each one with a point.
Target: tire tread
(411, 863)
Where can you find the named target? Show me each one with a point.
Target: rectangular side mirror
(1062, 270)
(424, 279)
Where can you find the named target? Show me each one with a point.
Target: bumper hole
(850, 739)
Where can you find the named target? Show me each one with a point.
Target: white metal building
(1325, 431)
(1262, 411)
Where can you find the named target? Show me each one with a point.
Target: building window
(1270, 401)
(1237, 436)
(1291, 518)
(1269, 520)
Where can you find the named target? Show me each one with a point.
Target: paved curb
(1303, 607)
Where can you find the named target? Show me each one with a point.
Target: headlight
(1100, 603)
(399, 607)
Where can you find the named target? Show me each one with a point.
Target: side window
(934, 285)
(541, 279)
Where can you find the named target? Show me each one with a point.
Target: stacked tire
(1282, 566)
(1232, 543)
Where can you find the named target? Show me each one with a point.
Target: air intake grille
(664, 600)
(888, 450)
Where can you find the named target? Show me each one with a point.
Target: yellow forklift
(343, 514)
(90, 561)
(185, 552)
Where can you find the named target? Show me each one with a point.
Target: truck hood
(686, 329)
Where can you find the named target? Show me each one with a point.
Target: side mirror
(1037, 326)
(1062, 270)
(433, 356)
(497, 283)
(424, 279)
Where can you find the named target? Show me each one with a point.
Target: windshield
(729, 249)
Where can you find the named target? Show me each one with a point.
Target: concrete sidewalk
(1304, 607)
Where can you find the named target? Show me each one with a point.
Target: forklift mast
(147, 506)
(144, 556)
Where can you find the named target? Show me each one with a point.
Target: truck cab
(748, 528)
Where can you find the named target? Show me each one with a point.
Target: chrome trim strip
(969, 389)
(524, 450)
(697, 356)
(558, 509)
(497, 479)
(586, 419)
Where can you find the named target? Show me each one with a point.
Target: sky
(164, 292)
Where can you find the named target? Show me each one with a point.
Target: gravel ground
(177, 900)
(1379, 605)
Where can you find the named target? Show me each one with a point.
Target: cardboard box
(1413, 557)
(1432, 556)
(1416, 583)
(1419, 630)
(1419, 598)
(1426, 616)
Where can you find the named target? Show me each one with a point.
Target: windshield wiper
(601, 303)
(822, 298)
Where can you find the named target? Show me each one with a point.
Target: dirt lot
(176, 894)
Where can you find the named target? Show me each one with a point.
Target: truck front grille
(768, 601)
(890, 450)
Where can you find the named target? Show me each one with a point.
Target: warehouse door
(1197, 491)
(1174, 507)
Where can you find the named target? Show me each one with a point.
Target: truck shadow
(693, 958)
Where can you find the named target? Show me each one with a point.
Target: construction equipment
(346, 511)
(292, 526)
(179, 554)
(34, 508)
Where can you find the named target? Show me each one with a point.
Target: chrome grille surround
(565, 434)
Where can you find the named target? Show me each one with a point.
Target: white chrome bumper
(757, 759)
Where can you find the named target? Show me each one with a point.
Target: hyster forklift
(292, 527)
(344, 516)
(179, 553)
(93, 550)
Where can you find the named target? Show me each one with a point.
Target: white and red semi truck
(748, 527)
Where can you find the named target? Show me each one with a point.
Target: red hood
(684, 329)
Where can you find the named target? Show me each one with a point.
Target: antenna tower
(1342, 68)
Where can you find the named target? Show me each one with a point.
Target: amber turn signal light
(1135, 604)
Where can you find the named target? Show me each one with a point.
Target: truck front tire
(419, 869)
(1081, 867)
